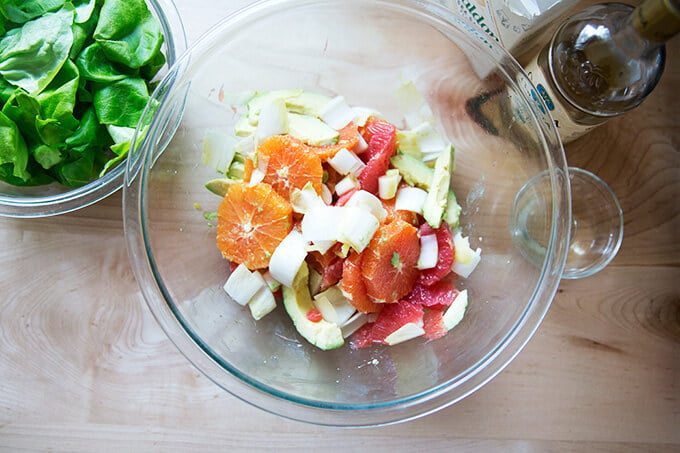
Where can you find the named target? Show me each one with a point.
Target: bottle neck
(657, 20)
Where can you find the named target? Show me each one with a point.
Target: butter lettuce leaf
(32, 55)
(128, 32)
(24, 10)
(121, 103)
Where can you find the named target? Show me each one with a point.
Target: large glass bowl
(52, 199)
(363, 50)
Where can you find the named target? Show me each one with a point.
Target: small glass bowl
(54, 198)
(362, 50)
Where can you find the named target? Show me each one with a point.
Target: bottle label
(566, 127)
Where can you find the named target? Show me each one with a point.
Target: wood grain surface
(85, 367)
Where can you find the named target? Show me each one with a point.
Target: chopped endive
(357, 227)
(242, 284)
(243, 127)
(413, 104)
(326, 194)
(410, 199)
(262, 303)
(287, 258)
(218, 150)
(353, 324)
(388, 184)
(321, 223)
(362, 114)
(336, 113)
(246, 146)
(465, 259)
(368, 201)
(346, 184)
(346, 162)
(305, 199)
(333, 305)
(271, 282)
(273, 119)
(429, 252)
(406, 332)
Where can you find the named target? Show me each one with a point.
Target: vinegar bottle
(602, 62)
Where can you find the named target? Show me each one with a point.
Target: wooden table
(85, 367)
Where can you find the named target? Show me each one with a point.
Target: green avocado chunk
(298, 302)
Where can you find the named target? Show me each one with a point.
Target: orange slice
(251, 222)
(389, 262)
(353, 286)
(348, 139)
(289, 164)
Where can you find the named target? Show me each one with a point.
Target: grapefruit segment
(442, 293)
(409, 217)
(389, 262)
(251, 222)
(391, 318)
(381, 146)
(433, 323)
(353, 286)
(446, 254)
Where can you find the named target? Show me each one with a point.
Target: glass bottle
(602, 62)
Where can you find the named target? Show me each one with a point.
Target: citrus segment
(445, 254)
(348, 139)
(251, 222)
(433, 323)
(409, 217)
(344, 198)
(289, 165)
(441, 293)
(353, 286)
(391, 318)
(381, 146)
(389, 262)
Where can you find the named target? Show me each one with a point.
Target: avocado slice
(311, 130)
(307, 103)
(453, 209)
(435, 204)
(413, 170)
(219, 186)
(260, 99)
(298, 302)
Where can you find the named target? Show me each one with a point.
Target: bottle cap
(657, 20)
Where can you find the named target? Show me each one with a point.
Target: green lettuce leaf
(128, 32)
(121, 103)
(57, 105)
(24, 109)
(25, 10)
(94, 66)
(32, 55)
(13, 148)
(47, 156)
